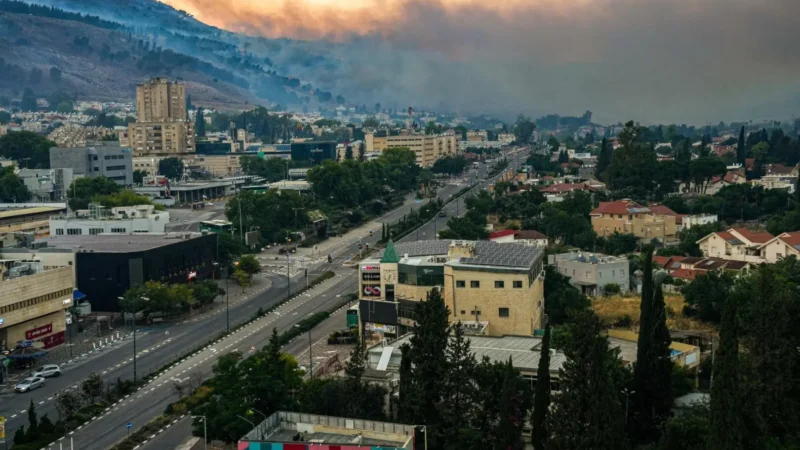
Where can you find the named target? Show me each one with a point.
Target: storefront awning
(78, 295)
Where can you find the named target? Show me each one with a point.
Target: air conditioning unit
(394, 382)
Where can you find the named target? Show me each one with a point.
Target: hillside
(103, 59)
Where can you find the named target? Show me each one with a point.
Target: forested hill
(104, 59)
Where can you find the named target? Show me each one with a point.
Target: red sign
(39, 331)
(53, 340)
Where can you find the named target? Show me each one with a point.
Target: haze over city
(656, 61)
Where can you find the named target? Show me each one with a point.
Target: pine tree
(741, 153)
(33, 423)
(513, 411)
(726, 407)
(362, 152)
(429, 348)
(541, 398)
(357, 363)
(588, 412)
(200, 123)
(603, 159)
(273, 348)
(459, 391)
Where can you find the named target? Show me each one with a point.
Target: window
(106, 157)
(613, 274)
(518, 284)
(499, 284)
(600, 274)
(59, 231)
(460, 283)
(97, 169)
(94, 157)
(463, 313)
(115, 168)
(503, 312)
(74, 231)
(94, 231)
(118, 230)
(622, 273)
(474, 284)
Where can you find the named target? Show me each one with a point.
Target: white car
(29, 384)
(50, 370)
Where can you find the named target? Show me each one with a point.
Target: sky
(682, 61)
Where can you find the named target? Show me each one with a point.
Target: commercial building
(105, 159)
(159, 138)
(47, 184)
(34, 220)
(739, 244)
(591, 272)
(160, 100)
(119, 220)
(523, 351)
(313, 151)
(107, 265)
(225, 165)
(299, 431)
(162, 127)
(191, 192)
(428, 148)
(32, 303)
(493, 289)
(626, 216)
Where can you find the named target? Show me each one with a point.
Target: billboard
(251, 238)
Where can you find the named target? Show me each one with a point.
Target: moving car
(47, 371)
(29, 384)
(442, 214)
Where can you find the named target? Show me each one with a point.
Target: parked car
(29, 384)
(442, 214)
(47, 371)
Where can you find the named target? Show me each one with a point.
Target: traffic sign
(129, 425)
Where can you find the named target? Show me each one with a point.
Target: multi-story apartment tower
(160, 100)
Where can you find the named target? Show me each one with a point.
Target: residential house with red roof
(627, 216)
(778, 176)
(781, 246)
(739, 244)
(729, 179)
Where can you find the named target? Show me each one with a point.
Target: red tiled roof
(791, 238)
(758, 238)
(674, 263)
(530, 234)
(617, 207)
(725, 236)
(502, 233)
(779, 169)
(691, 260)
(749, 163)
(661, 260)
(662, 210)
(564, 187)
(686, 274)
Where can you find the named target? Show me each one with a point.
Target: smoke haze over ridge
(687, 61)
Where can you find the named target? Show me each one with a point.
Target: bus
(216, 226)
(352, 317)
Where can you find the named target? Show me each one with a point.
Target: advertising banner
(39, 331)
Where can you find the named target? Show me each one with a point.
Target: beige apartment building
(492, 289)
(428, 148)
(161, 127)
(217, 165)
(32, 303)
(160, 100)
(626, 216)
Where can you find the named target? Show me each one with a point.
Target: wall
(526, 304)
(74, 158)
(600, 274)
(154, 224)
(776, 250)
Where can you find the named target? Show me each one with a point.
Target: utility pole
(239, 202)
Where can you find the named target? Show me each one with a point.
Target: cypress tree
(405, 403)
(200, 123)
(588, 412)
(428, 355)
(726, 407)
(33, 423)
(640, 421)
(661, 374)
(541, 398)
(513, 410)
(741, 153)
(459, 398)
(603, 159)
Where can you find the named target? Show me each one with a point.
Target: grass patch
(624, 311)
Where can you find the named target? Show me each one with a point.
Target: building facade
(427, 148)
(105, 160)
(626, 216)
(591, 272)
(160, 100)
(218, 165)
(34, 220)
(738, 244)
(493, 289)
(33, 303)
(119, 220)
(47, 184)
(160, 138)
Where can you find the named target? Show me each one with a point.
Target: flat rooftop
(119, 243)
(487, 254)
(524, 351)
(290, 427)
(28, 211)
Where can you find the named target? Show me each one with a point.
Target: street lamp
(135, 303)
(205, 430)
(227, 301)
(310, 359)
(627, 393)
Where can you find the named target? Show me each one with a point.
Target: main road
(157, 349)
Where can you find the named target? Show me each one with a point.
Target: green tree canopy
(172, 168)
(33, 148)
(83, 190)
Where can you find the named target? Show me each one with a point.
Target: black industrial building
(106, 266)
(313, 151)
